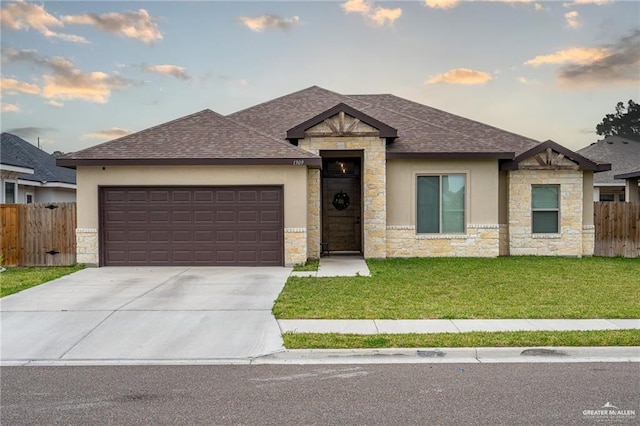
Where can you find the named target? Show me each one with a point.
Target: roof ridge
(267, 102)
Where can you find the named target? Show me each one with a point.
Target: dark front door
(341, 209)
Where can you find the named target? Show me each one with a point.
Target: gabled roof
(422, 130)
(201, 138)
(582, 162)
(17, 152)
(386, 131)
(623, 154)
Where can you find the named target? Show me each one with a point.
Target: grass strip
(463, 340)
(14, 280)
(309, 265)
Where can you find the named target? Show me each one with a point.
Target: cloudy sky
(78, 73)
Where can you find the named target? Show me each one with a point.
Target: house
(375, 174)
(30, 175)
(624, 155)
(632, 185)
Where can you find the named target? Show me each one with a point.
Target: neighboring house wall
(482, 196)
(293, 178)
(569, 240)
(46, 195)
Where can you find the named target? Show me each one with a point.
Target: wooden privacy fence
(41, 234)
(617, 229)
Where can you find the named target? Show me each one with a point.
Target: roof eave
(451, 155)
(582, 162)
(631, 175)
(72, 163)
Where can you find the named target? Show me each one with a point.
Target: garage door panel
(270, 197)
(270, 216)
(225, 236)
(248, 216)
(203, 236)
(137, 197)
(225, 196)
(181, 216)
(159, 236)
(159, 196)
(192, 226)
(203, 217)
(248, 237)
(247, 196)
(178, 196)
(137, 236)
(227, 216)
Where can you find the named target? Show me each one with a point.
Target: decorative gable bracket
(552, 156)
(342, 120)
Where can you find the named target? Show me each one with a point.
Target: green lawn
(463, 340)
(14, 280)
(456, 288)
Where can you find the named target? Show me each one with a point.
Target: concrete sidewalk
(339, 265)
(452, 326)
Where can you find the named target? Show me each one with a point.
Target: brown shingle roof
(435, 130)
(203, 135)
(421, 129)
(259, 132)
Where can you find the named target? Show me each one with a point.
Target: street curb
(483, 355)
(454, 355)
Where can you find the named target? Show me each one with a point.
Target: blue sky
(78, 73)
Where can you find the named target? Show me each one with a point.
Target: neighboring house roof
(201, 138)
(622, 153)
(16, 151)
(630, 175)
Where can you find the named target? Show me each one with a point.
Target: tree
(622, 123)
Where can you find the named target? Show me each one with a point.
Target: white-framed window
(545, 209)
(10, 192)
(440, 203)
(28, 197)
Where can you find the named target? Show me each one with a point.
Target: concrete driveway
(145, 313)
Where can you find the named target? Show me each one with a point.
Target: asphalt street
(409, 394)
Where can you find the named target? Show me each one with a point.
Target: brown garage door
(235, 225)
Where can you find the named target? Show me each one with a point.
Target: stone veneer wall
(504, 239)
(569, 242)
(87, 246)
(295, 246)
(374, 185)
(478, 241)
(314, 177)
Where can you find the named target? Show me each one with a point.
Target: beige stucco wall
(569, 241)
(481, 209)
(481, 190)
(294, 179)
